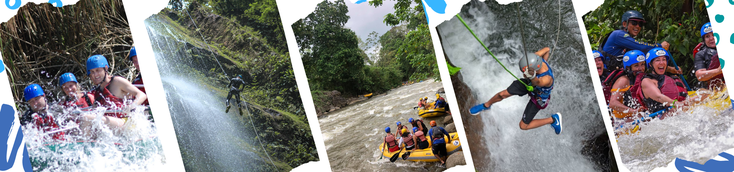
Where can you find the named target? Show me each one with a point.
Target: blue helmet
(654, 53)
(415, 129)
(706, 28)
(398, 123)
(96, 61)
(632, 57)
(387, 129)
(32, 91)
(67, 77)
(410, 120)
(598, 54)
(240, 76)
(632, 14)
(132, 53)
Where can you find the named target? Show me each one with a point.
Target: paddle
(643, 118)
(395, 156)
(681, 75)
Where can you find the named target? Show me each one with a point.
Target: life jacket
(415, 124)
(420, 136)
(408, 141)
(104, 97)
(84, 102)
(46, 123)
(696, 49)
(541, 95)
(391, 141)
(437, 133)
(715, 64)
(609, 82)
(628, 98)
(670, 86)
(138, 82)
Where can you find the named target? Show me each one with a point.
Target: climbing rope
(529, 88)
(258, 135)
(559, 30)
(522, 33)
(207, 44)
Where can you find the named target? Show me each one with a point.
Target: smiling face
(97, 75)
(638, 67)
(659, 64)
(633, 26)
(38, 104)
(710, 40)
(70, 88)
(599, 65)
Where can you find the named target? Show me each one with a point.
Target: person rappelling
(235, 85)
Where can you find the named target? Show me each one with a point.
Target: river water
(209, 138)
(353, 134)
(509, 147)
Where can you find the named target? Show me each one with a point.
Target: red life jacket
(636, 90)
(47, 123)
(671, 87)
(84, 102)
(408, 141)
(715, 64)
(138, 82)
(391, 142)
(420, 136)
(104, 97)
(609, 82)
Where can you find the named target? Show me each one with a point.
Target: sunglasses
(635, 22)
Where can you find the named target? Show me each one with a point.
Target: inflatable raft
(426, 155)
(427, 113)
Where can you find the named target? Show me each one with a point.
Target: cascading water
(353, 134)
(509, 147)
(209, 138)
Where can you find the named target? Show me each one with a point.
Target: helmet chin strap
(527, 73)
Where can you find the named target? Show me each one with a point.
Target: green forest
(335, 58)
(677, 22)
(248, 38)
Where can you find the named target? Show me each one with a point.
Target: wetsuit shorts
(439, 149)
(518, 89)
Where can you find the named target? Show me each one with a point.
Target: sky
(365, 18)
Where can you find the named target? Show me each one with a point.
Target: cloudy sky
(365, 18)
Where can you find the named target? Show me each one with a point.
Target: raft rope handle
(529, 88)
(207, 44)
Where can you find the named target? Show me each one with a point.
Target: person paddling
(537, 73)
(391, 142)
(439, 143)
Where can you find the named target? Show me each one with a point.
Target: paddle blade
(406, 155)
(394, 157)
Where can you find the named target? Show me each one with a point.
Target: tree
(330, 52)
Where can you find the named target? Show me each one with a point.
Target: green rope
(530, 88)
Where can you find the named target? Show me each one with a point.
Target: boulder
(448, 119)
(450, 128)
(455, 159)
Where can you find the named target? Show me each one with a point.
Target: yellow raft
(718, 100)
(426, 155)
(427, 113)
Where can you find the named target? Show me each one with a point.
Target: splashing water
(134, 147)
(509, 147)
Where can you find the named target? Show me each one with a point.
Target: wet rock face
(455, 159)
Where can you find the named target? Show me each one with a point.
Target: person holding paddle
(391, 142)
(537, 73)
(658, 90)
(622, 103)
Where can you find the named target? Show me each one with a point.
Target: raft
(426, 155)
(427, 113)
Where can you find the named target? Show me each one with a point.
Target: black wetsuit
(702, 60)
(234, 89)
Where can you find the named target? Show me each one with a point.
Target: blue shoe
(557, 123)
(478, 108)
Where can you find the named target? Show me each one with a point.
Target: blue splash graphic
(57, 3)
(439, 6)
(7, 121)
(16, 5)
(731, 39)
(710, 165)
(360, 1)
(2, 66)
(719, 18)
(711, 2)
(425, 13)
